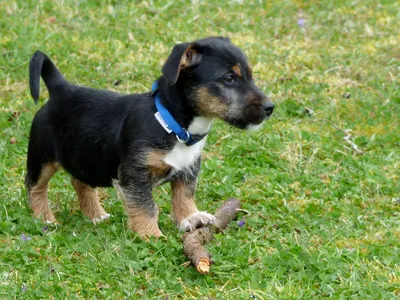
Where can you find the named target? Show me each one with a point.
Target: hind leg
(89, 201)
(41, 166)
(37, 183)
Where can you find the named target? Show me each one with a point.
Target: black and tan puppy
(104, 138)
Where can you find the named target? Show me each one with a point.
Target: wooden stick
(193, 242)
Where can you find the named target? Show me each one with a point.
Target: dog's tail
(41, 65)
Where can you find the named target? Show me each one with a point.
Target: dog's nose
(268, 108)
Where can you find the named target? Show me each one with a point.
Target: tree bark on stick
(193, 242)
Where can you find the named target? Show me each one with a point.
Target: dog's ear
(182, 56)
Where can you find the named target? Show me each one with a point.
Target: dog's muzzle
(268, 108)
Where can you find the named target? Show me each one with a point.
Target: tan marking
(209, 105)
(156, 165)
(38, 194)
(237, 71)
(89, 201)
(140, 222)
(187, 58)
(183, 204)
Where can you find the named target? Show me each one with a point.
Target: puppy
(136, 142)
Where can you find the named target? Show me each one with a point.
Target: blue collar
(168, 122)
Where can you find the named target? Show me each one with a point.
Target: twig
(193, 242)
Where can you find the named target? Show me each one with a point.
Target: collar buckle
(182, 140)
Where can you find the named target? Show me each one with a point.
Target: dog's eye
(229, 79)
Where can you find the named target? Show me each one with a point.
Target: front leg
(135, 188)
(185, 212)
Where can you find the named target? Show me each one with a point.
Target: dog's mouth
(252, 117)
(256, 114)
(267, 118)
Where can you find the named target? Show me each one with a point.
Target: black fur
(41, 65)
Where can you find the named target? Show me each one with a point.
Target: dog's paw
(101, 218)
(196, 220)
(52, 222)
(147, 235)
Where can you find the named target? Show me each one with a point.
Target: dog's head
(217, 81)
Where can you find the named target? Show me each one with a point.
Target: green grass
(323, 219)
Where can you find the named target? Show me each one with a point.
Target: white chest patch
(182, 156)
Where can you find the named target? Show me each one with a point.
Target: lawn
(320, 179)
